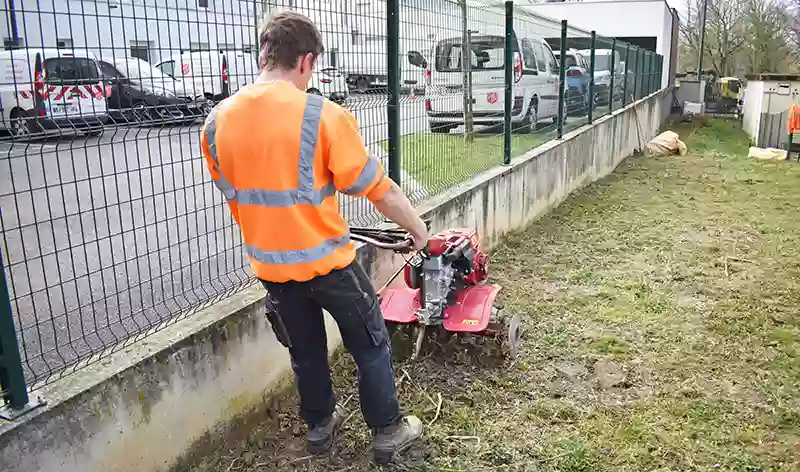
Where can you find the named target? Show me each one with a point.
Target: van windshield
(71, 71)
(487, 54)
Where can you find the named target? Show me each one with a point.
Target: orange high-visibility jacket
(793, 123)
(279, 155)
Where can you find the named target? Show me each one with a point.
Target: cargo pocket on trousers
(373, 320)
(276, 322)
(357, 312)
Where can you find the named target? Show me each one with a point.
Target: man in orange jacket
(279, 155)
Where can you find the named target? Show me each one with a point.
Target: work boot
(395, 438)
(321, 436)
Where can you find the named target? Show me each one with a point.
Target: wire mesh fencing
(111, 228)
(455, 131)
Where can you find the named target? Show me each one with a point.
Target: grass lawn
(439, 161)
(663, 334)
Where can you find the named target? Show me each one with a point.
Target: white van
(535, 89)
(51, 89)
(213, 74)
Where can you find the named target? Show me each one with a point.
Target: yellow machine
(728, 91)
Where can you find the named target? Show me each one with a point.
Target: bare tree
(727, 34)
(741, 35)
(793, 14)
(768, 43)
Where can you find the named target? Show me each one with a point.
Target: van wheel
(21, 126)
(531, 120)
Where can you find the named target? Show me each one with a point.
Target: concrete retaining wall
(143, 409)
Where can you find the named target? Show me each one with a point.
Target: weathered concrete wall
(143, 408)
(145, 405)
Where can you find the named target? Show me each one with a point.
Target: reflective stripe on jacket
(279, 156)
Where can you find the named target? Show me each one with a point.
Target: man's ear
(262, 59)
(307, 61)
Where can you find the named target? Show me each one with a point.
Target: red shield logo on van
(492, 97)
(185, 68)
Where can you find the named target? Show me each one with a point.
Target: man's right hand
(419, 237)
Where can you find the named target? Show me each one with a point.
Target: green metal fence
(111, 229)
(513, 95)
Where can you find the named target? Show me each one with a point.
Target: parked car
(212, 74)
(51, 89)
(329, 82)
(603, 60)
(139, 92)
(576, 93)
(535, 89)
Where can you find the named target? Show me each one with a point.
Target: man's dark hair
(284, 38)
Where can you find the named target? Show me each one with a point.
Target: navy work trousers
(297, 317)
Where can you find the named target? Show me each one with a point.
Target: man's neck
(275, 75)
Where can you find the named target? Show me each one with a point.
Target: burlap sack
(666, 144)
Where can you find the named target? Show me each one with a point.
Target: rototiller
(445, 289)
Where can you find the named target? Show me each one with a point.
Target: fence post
(654, 83)
(12, 21)
(660, 77)
(592, 100)
(12, 379)
(613, 59)
(509, 51)
(636, 74)
(650, 72)
(562, 76)
(256, 23)
(393, 79)
(656, 68)
(226, 78)
(625, 80)
(466, 72)
(643, 83)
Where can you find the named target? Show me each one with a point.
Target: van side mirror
(417, 59)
